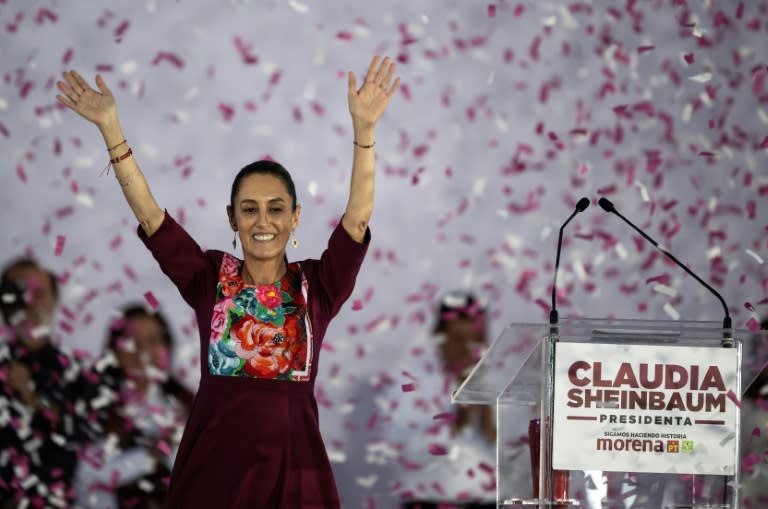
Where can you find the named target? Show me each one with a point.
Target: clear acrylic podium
(521, 374)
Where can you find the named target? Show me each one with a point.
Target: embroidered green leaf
(289, 310)
(233, 316)
(285, 296)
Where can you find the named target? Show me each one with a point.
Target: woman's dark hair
(263, 167)
(119, 328)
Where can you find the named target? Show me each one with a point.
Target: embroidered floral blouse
(253, 436)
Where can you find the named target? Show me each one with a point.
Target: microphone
(606, 205)
(581, 206)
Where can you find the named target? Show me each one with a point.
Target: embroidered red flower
(230, 285)
(296, 350)
(246, 330)
(269, 296)
(267, 366)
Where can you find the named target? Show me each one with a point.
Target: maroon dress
(253, 438)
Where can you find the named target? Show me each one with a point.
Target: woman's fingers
(80, 84)
(66, 101)
(380, 72)
(391, 90)
(103, 88)
(371, 73)
(390, 72)
(69, 92)
(351, 83)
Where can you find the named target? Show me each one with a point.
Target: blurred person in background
(46, 394)
(131, 466)
(449, 461)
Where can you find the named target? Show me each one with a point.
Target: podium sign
(640, 408)
(679, 380)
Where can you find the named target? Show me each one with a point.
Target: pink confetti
(63, 212)
(410, 387)
(151, 300)
(689, 58)
(115, 242)
(663, 279)
(163, 447)
(44, 14)
(171, 58)
(244, 49)
(344, 36)
(227, 111)
(445, 416)
(122, 28)
(437, 450)
(734, 398)
(492, 11)
(753, 324)
(645, 49)
(59, 245)
(405, 91)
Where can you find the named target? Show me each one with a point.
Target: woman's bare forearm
(130, 178)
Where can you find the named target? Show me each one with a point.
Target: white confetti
(84, 200)
(579, 270)
(621, 251)
(664, 289)
(754, 255)
(361, 31)
(762, 115)
(685, 115)
(701, 78)
(129, 67)
(549, 21)
(192, 93)
(299, 7)
(671, 311)
(336, 456)
(643, 192)
(58, 439)
(367, 482)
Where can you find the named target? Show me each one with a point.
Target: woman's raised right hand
(97, 106)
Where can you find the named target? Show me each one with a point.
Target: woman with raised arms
(252, 439)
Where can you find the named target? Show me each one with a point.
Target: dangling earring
(294, 240)
(234, 241)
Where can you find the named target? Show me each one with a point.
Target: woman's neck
(259, 272)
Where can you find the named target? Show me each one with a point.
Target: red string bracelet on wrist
(120, 158)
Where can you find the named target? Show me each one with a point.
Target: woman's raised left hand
(367, 104)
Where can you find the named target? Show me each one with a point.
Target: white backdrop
(510, 111)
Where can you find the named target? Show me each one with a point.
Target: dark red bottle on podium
(560, 488)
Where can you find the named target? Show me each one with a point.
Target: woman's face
(264, 217)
